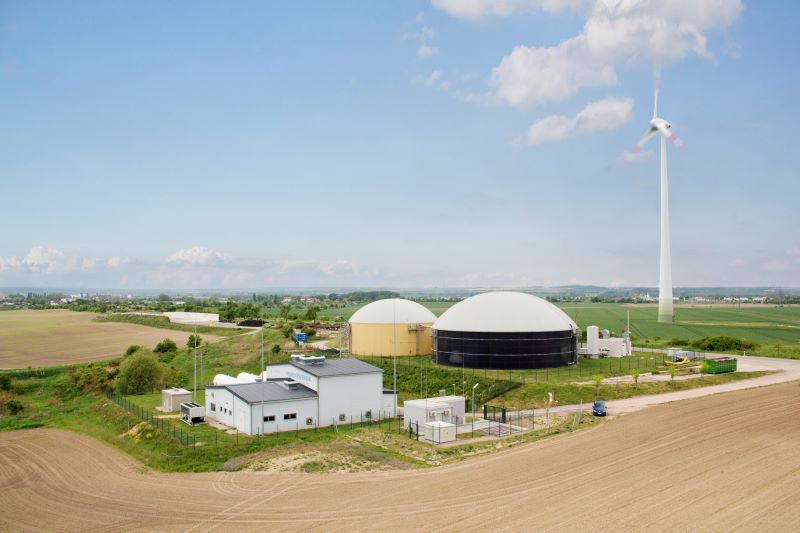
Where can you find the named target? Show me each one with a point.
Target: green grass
(164, 323)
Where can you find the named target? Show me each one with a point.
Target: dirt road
(722, 462)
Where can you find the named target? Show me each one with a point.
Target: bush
(167, 345)
(139, 373)
(309, 331)
(723, 344)
(14, 407)
(191, 340)
(5, 382)
(287, 331)
(132, 349)
(679, 342)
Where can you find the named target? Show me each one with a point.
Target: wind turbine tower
(659, 125)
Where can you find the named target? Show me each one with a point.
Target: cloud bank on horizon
(615, 34)
(198, 267)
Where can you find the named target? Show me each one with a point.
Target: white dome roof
(504, 312)
(391, 311)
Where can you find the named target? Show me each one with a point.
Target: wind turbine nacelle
(660, 123)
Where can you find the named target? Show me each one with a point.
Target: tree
(5, 382)
(635, 376)
(703, 368)
(285, 310)
(672, 371)
(287, 330)
(139, 373)
(163, 297)
(190, 342)
(311, 312)
(598, 380)
(276, 349)
(167, 345)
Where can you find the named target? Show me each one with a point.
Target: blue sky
(196, 144)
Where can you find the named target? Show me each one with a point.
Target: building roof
(337, 367)
(269, 391)
(504, 312)
(393, 311)
(176, 391)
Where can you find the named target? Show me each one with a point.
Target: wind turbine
(659, 125)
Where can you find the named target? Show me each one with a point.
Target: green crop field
(775, 329)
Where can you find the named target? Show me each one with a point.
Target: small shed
(440, 432)
(171, 399)
(437, 409)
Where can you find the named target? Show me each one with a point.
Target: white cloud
(477, 9)
(434, 79)
(197, 255)
(47, 260)
(425, 51)
(603, 115)
(615, 32)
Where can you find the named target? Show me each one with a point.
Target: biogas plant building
(499, 330)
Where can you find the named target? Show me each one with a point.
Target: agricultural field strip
(60, 337)
(753, 485)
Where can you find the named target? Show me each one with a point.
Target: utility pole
(394, 331)
(194, 392)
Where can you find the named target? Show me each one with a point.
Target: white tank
(246, 377)
(592, 340)
(224, 379)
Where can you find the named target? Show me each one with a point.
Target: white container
(592, 340)
(440, 432)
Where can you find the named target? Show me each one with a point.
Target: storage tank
(246, 377)
(390, 326)
(592, 340)
(224, 379)
(505, 329)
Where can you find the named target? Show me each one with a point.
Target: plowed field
(723, 462)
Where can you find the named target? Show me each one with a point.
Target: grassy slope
(164, 323)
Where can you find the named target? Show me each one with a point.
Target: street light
(454, 389)
(473, 402)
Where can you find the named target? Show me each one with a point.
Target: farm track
(722, 462)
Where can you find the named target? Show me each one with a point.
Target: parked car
(599, 408)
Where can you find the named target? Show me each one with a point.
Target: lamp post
(454, 389)
(473, 403)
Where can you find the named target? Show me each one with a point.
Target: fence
(508, 424)
(167, 426)
(584, 368)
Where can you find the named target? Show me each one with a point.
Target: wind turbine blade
(633, 154)
(671, 137)
(656, 88)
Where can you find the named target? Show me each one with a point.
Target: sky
(438, 144)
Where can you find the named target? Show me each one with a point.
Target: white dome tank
(224, 379)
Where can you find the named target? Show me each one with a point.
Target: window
(290, 416)
(269, 418)
(342, 417)
(213, 407)
(309, 421)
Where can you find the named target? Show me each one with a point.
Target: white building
(193, 319)
(450, 409)
(307, 392)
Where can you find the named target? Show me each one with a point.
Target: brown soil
(722, 462)
(61, 337)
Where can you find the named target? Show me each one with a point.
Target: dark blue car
(599, 408)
